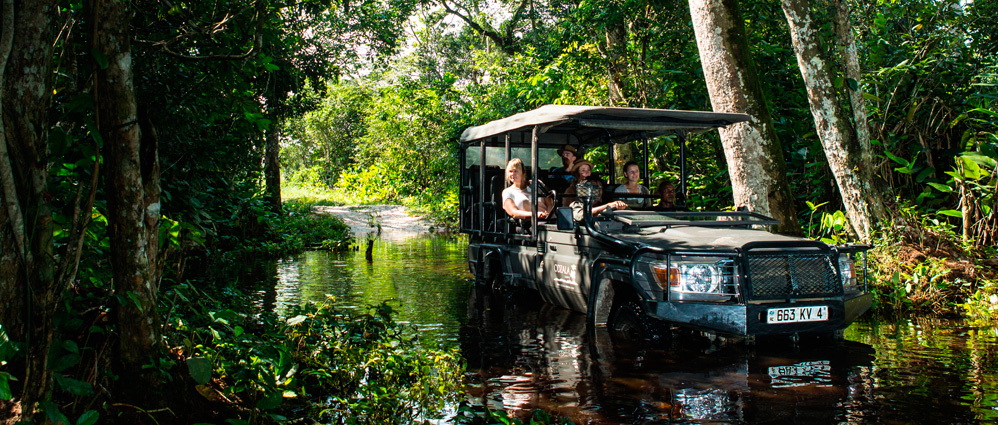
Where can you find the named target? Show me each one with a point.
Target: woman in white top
(516, 197)
(632, 172)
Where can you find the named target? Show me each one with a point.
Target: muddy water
(523, 355)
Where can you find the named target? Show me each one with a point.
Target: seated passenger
(580, 171)
(633, 172)
(568, 156)
(598, 207)
(667, 197)
(516, 198)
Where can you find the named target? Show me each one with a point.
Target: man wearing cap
(568, 155)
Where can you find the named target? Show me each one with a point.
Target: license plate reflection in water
(814, 313)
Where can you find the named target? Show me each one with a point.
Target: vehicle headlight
(694, 278)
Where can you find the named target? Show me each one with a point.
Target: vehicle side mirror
(565, 221)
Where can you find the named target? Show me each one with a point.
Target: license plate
(817, 372)
(814, 313)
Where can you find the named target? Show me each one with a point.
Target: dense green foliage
(929, 79)
(377, 122)
(316, 362)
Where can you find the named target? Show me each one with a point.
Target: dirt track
(395, 223)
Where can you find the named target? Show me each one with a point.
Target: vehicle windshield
(692, 218)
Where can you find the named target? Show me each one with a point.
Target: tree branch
(503, 43)
(74, 249)
(261, 9)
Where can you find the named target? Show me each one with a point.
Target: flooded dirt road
(522, 354)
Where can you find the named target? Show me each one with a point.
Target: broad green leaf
(270, 401)
(871, 96)
(70, 346)
(897, 159)
(200, 369)
(853, 84)
(925, 173)
(970, 168)
(54, 415)
(74, 386)
(89, 417)
(134, 296)
(951, 213)
(980, 159)
(941, 187)
(5, 393)
(62, 363)
(296, 320)
(100, 58)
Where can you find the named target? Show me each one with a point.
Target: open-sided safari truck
(721, 272)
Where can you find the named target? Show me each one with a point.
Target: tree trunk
(28, 34)
(843, 134)
(752, 150)
(133, 192)
(272, 166)
(616, 55)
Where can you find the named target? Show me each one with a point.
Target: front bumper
(750, 320)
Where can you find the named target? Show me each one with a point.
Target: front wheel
(630, 324)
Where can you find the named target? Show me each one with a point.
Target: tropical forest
(155, 153)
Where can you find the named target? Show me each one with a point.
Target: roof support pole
(682, 167)
(481, 189)
(533, 165)
(612, 171)
(645, 171)
(509, 150)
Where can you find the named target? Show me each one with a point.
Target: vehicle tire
(491, 275)
(630, 324)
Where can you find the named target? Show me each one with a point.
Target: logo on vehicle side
(565, 270)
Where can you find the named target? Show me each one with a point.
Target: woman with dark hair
(633, 172)
(580, 172)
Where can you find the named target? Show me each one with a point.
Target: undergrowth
(315, 362)
(925, 266)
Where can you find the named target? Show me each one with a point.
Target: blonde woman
(516, 198)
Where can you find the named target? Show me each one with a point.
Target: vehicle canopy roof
(590, 125)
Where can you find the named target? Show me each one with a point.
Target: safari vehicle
(720, 272)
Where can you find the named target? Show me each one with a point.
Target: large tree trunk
(843, 134)
(753, 152)
(272, 165)
(29, 279)
(133, 191)
(617, 75)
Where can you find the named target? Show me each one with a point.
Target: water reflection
(523, 354)
(425, 277)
